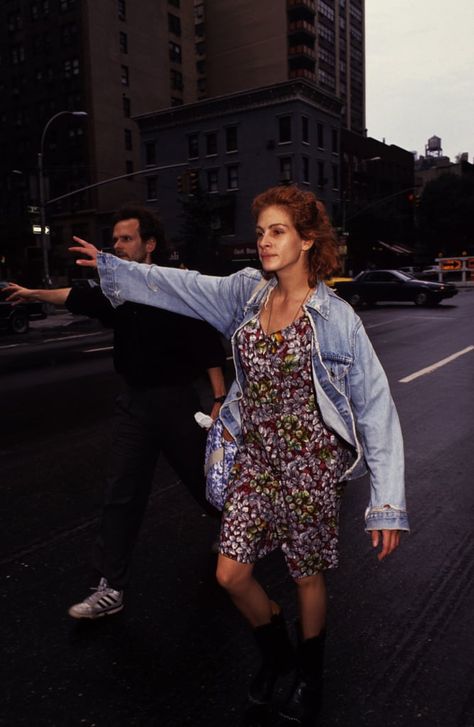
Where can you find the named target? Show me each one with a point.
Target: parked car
(372, 286)
(16, 318)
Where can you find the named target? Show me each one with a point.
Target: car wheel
(421, 299)
(355, 299)
(19, 322)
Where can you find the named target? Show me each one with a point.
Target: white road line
(11, 345)
(384, 323)
(93, 350)
(69, 338)
(433, 367)
(404, 318)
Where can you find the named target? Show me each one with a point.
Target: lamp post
(42, 194)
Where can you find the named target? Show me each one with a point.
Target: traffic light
(193, 181)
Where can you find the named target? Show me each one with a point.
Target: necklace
(269, 330)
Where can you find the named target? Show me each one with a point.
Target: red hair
(311, 222)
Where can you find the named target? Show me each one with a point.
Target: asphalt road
(401, 633)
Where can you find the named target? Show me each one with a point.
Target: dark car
(16, 318)
(371, 286)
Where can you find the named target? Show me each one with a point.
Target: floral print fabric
(284, 488)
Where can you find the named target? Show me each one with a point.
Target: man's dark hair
(148, 222)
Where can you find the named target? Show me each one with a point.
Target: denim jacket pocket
(338, 367)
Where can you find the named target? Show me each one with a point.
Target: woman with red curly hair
(310, 408)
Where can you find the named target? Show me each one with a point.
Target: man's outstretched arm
(18, 294)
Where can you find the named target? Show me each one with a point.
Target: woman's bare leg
(312, 601)
(246, 593)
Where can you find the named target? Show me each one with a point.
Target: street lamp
(41, 191)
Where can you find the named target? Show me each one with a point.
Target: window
(334, 141)
(174, 24)
(211, 144)
(305, 170)
(68, 34)
(124, 77)
(233, 177)
(321, 178)
(127, 135)
(284, 129)
(320, 129)
(176, 80)
(174, 52)
(326, 10)
(193, 146)
(150, 152)
(128, 167)
(201, 67)
(212, 180)
(199, 30)
(63, 5)
(71, 68)
(175, 3)
(200, 48)
(151, 188)
(127, 108)
(286, 170)
(123, 42)
(231, 138)
(176, 101)
(305, 129)
(121, 9)
(17, 54)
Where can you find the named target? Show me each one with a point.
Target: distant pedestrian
(158, 354)
(311, 409)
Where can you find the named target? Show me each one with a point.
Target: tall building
(250, 44)
(119, 60)
(112, 60)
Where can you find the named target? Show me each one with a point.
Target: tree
(445, 218)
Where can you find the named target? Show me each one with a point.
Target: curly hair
(311, 222)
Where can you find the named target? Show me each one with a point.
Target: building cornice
(297, 90)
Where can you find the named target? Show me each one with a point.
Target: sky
(420, 73)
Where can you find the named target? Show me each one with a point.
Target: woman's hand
(86, 249)
(390, 541)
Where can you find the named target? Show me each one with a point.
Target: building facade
(120, 60)
(222, 152)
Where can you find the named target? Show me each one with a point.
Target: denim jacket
(351, 386)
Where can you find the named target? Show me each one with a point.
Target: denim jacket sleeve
(217, 300)
(378, 428)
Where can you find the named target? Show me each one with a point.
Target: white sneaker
(103, 602)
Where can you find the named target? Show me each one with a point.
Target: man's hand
(390, 541)
(86, 249)
(17, 294)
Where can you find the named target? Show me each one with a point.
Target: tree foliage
(445, 215)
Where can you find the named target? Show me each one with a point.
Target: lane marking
(433, 367)
(404, 318)
(12, 345)
(93, 350)
(69, 338)
(383, 323)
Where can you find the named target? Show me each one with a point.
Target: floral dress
(284, 488)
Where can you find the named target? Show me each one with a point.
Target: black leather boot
(277, 658)
(304, 701)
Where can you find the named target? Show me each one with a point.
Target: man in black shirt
(158, 354)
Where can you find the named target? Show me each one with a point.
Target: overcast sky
(420, 73)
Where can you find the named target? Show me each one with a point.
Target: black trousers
(147, 422)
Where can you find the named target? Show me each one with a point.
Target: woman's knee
(231, 575)
(310, 582)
